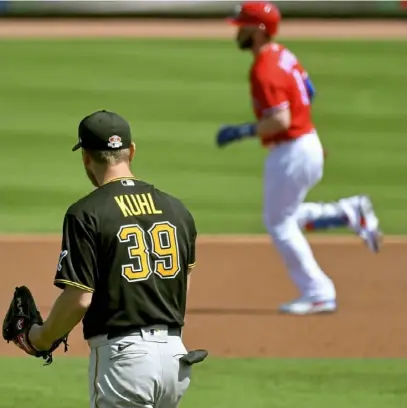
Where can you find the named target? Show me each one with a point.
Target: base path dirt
(303, 29)
(236, 289)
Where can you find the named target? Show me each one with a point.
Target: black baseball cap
(103, 130)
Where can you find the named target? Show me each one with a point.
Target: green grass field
(176, 93)
(254, 383)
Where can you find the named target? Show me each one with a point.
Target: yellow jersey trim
(192, 265)
(74, 284)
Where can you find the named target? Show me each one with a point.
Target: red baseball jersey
(277, 81)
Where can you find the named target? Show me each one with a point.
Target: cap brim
(240, 23)
(77, 147)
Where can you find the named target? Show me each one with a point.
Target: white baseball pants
(291, 170)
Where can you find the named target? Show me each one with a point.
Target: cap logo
(115, 142)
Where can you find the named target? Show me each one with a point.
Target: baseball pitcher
(126, 257)
(282, 93)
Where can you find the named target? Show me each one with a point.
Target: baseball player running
(282, 93)
(127, 253)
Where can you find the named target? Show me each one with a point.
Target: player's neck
(121, 170)
(258, 49)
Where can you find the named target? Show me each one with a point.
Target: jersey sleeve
(77, 261)
(192, 245)
(270, 93)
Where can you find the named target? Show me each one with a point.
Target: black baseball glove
(21, 315)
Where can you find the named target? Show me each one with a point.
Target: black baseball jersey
(131, 245)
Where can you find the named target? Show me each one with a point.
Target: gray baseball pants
(138, 370)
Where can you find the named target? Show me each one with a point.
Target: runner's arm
(275, 122)
(275, 106)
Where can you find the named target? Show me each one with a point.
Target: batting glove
(310, 89)
(227, 134)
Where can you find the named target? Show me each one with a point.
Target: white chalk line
(209, 239)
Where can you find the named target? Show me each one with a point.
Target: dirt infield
(303, 29)
(236, 288)
(240, 281)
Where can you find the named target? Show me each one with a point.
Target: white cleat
(369, 224)
(305, 306)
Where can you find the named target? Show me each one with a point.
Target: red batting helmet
(257, 13)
